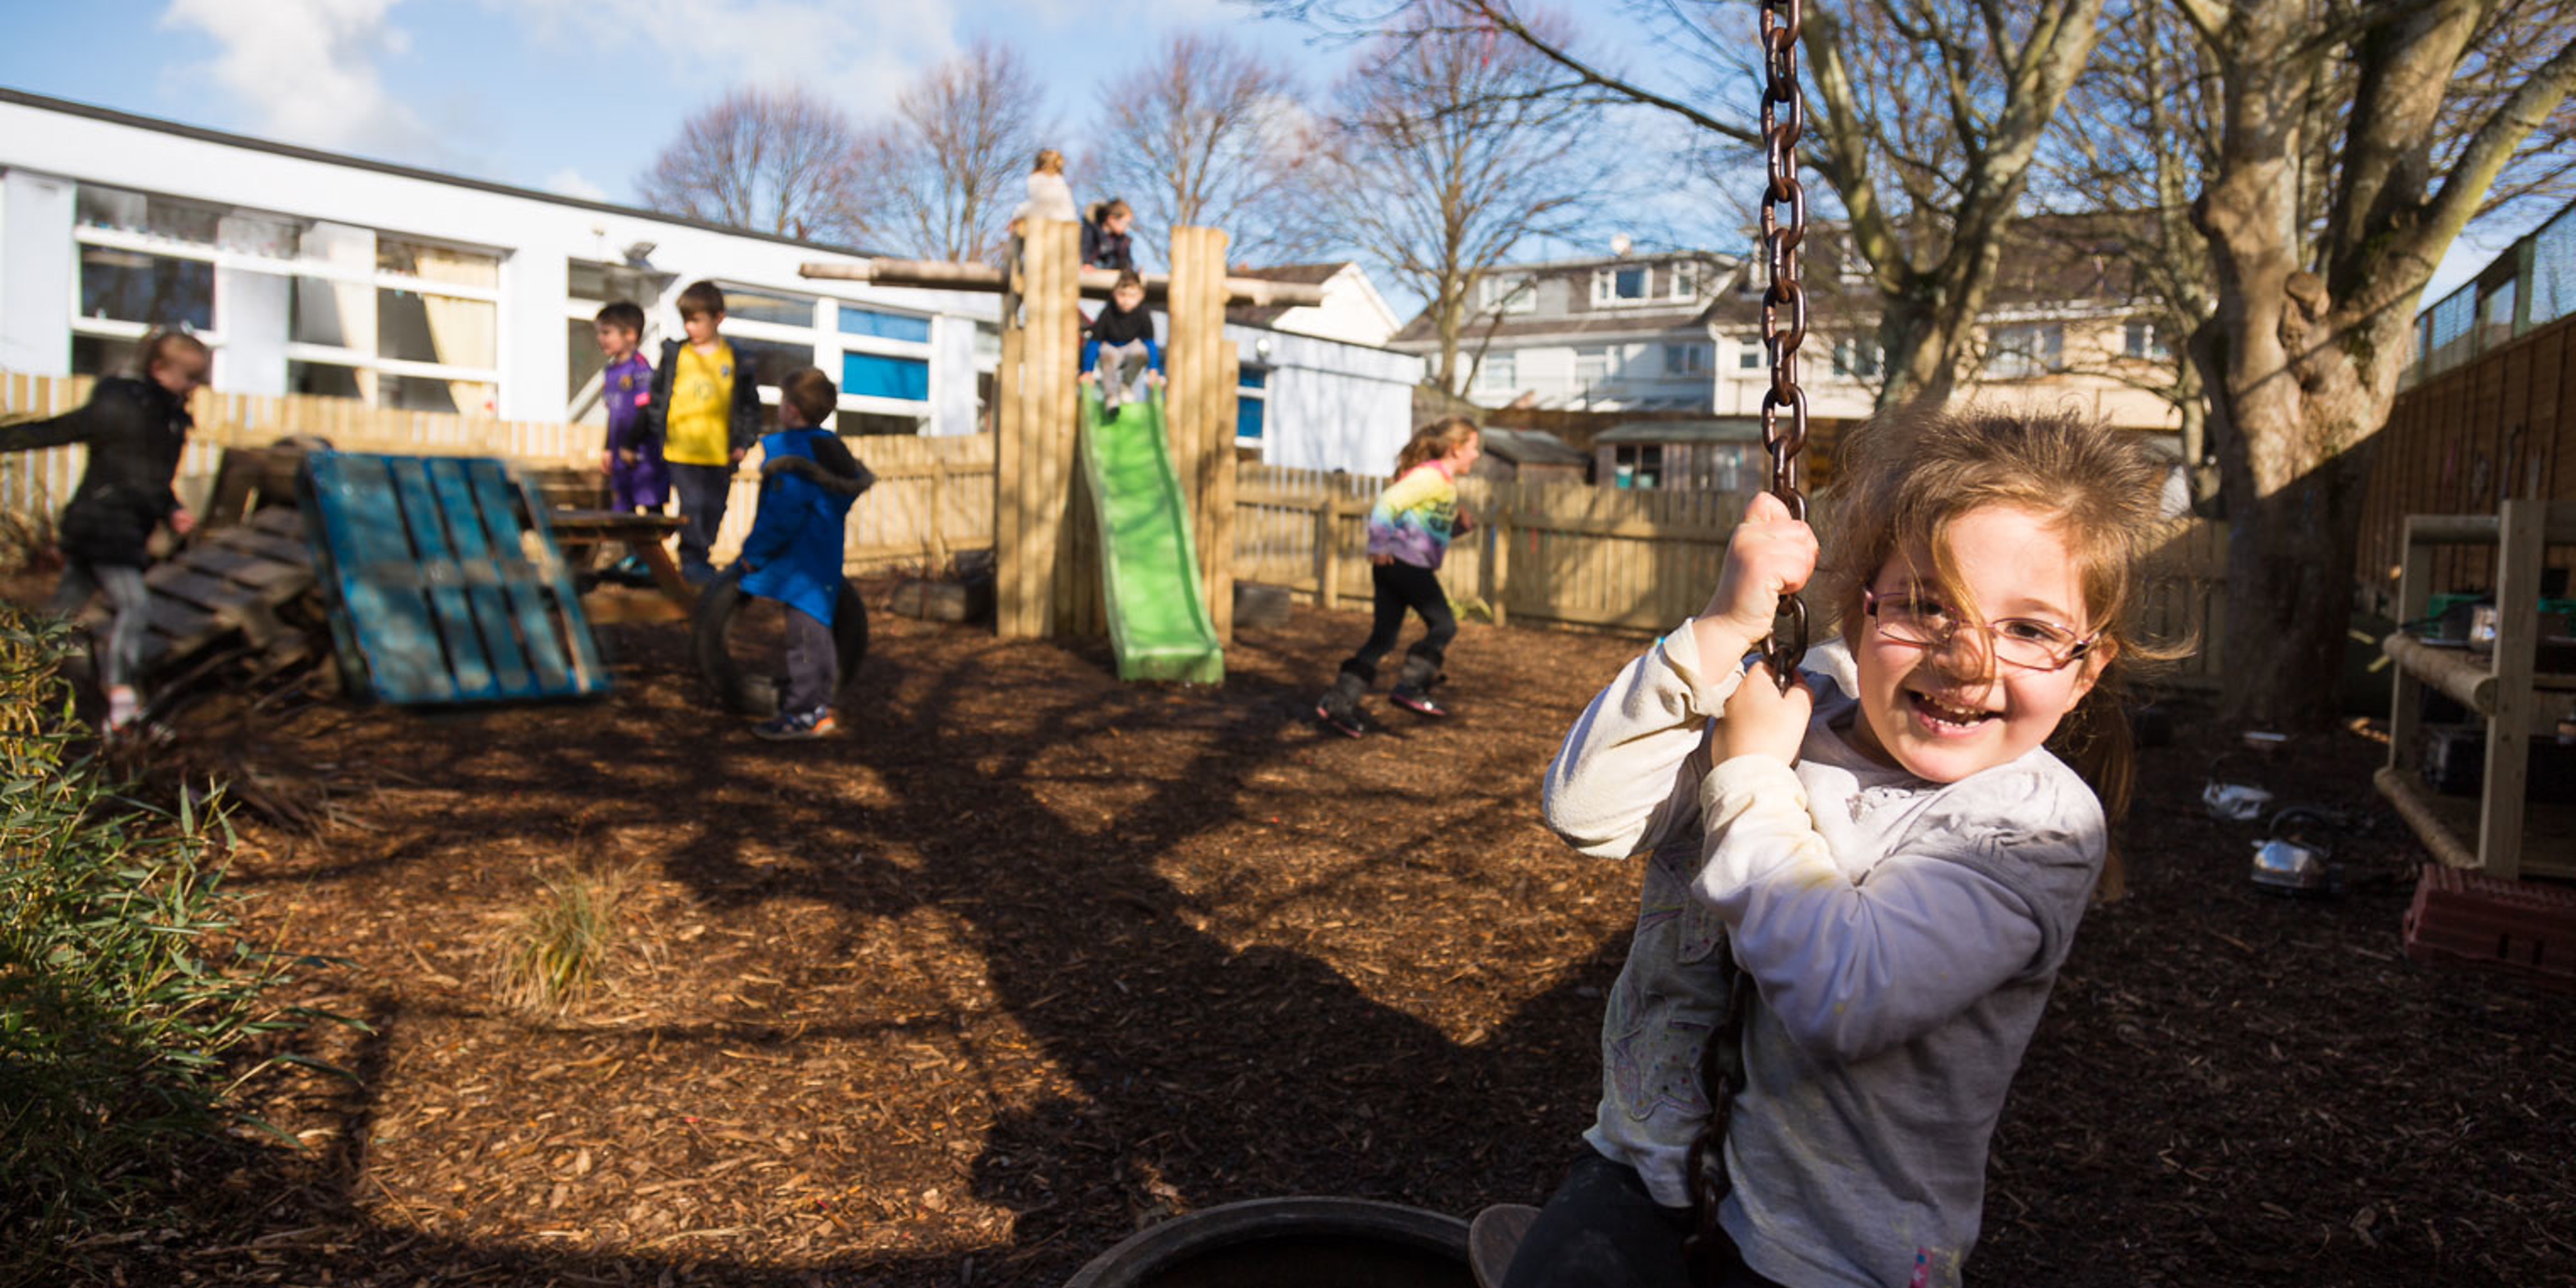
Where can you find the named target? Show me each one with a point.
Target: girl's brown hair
(1432, 441)
(1050, 161)
(1912, 472)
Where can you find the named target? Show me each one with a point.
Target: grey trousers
(1122, 373)
(703, 491)
(119, 657)
(813, 664)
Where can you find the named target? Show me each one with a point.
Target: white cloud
(308, 71)
(857, 52)
(570, 182)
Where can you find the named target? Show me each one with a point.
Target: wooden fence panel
(1565, 553)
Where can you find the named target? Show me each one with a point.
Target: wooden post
(1498, 567)
(1216, 518)
(936, 524)
(2519, 554)
(2414, 595)
(1034, 441)
(1198, 379)
(1328, 555)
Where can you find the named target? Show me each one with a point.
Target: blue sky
(564, 95)
(576, 97)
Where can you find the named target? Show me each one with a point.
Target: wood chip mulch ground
(1027, 959)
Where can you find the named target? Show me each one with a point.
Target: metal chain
(1784, 299)
(1721, 1059)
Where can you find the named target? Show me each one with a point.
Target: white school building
(317, 273)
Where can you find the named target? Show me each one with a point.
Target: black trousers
(703, 491)
(1401, 586)
(1601, 1229)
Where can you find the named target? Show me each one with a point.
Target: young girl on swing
(1409, 530)
(1886, 855)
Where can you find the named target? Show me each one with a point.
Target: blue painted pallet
(444, 582)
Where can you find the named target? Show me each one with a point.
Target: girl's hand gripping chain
(1770, 555)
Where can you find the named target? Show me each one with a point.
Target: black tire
(748, 694)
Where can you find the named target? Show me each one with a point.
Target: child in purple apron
(637, 478)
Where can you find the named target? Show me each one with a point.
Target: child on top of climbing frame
(1864, 884)
(793, 555)
(1121, 341)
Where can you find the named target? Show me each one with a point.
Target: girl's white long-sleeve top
(1901, 935)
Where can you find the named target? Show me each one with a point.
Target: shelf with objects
(2523, 688)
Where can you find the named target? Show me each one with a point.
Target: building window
(2139, 340)
(1498, 373)
(1856, 356)
(99, 355)
(1251, 403)
(1686, 359)
(1620, 286)
(1637, 465)
(877, 375)
(743, 304)
(1748, 353)
(1681, 281)
(588, 288)
(1505, 295)
(147, 290)
(2026, 349)
(907, 327)
(420, 331)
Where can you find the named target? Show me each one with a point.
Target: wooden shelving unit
(2517, 700)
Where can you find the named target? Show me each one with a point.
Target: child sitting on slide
(807, 481)
(1122, 338)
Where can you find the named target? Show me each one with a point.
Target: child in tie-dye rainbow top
(1409, 530)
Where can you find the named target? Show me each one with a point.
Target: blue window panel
(877, 376)
(1252, 377)
(885, 326)
(1247, 418)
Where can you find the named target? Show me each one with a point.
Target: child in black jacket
(136, 430)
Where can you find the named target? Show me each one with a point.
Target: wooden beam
(951, 275)
(2449, 670)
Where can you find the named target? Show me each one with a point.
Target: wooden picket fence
(1563, 554)
(933, 499)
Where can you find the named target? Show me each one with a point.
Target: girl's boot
(1413, 686)
(1339, 708)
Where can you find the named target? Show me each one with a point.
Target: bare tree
(953, 162)
(775, 161)
(2397, 120)
(1210, 135)
(1923, 117)
(1449, 154)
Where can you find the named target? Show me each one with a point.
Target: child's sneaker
(1417, 701)
(1340, 717)
(124, 708)
(788, 726)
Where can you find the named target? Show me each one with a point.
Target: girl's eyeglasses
(1926, 622)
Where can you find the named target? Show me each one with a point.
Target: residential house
(1623, 332)
(2064, 329)
(1352, 312)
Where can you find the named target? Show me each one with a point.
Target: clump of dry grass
(551, 958)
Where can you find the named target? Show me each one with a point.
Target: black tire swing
(750, 692)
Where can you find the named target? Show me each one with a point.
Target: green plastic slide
(1158, 620)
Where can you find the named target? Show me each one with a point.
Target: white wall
(1331, 406)
(36, 264)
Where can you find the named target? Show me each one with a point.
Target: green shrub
(122, 989)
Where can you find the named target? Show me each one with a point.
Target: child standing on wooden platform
(1864, 884)
(703, 416)
(793, 555)
(637, 479)
(1409, 531)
